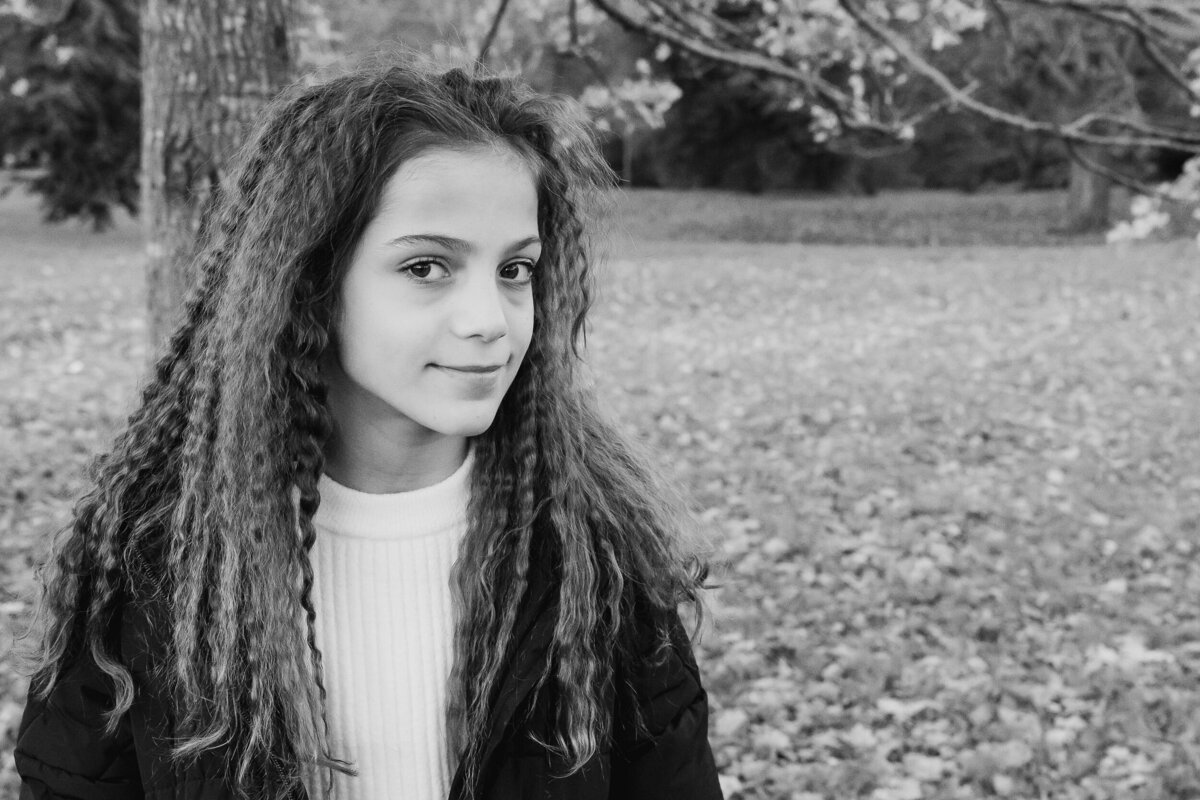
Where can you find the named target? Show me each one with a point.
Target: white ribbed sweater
(381, 565)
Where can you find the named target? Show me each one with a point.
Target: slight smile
(476, 369)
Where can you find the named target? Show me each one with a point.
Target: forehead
(464, 188)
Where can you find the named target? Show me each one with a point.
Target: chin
(472, 426)
(473, 430)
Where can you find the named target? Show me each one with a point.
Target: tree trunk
(1087, 198)
(208, 67)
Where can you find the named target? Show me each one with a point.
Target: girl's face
(436, 307)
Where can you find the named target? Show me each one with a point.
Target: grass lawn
(954, 492)
(903, 218)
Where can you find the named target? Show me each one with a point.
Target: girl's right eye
(425, 270)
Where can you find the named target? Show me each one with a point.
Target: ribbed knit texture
(381, 565)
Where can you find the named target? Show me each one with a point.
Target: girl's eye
(517, 271)
(425, 269)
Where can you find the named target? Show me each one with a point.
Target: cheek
(523, 326)
(366, 340)
(372, 317)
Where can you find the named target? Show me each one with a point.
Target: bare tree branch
(836, 99)
(576, 49)
(1153, 23)
(573, 21)
(492, 31)
(1168, 21)
(733, 34)
(1149, 136)
(1116, 176)
(1001, 15)
(1148, 37)
(1164, 30)
(1183, 137)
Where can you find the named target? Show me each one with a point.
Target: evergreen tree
(69, 105)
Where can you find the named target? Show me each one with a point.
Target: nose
(479, 309)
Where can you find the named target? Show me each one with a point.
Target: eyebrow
(453, 244)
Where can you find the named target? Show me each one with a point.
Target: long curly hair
(212, 485)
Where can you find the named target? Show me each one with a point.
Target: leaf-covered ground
(954, 493)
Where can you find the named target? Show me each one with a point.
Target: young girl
(366, 534)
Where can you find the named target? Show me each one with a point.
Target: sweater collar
(432, 509)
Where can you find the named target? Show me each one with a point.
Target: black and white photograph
(599, 399)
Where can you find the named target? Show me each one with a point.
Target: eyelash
(529, 266)
(433, 262)
(421, 262)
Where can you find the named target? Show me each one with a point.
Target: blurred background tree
(209, 67)
(752, 95)
(1105, 90)
(70, 89)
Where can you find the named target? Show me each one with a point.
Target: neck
(368, 462)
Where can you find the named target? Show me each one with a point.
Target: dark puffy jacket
(62, 753)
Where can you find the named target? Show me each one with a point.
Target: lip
(474, 369)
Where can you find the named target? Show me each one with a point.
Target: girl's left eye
(517, 271)
(425, 269)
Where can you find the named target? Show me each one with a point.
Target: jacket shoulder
(63, 748)
(660, 715)
(655, 674)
